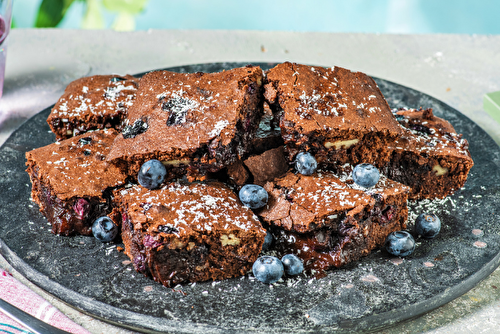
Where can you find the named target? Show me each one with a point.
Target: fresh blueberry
(305, 163)
(104, 229)
(365, 175)
(400, 243)
(253, 196)
(268, 240)
(268, 269)
(151, 174)
(293, 265)
(427, 225)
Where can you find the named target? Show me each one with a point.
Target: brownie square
(195, 123)
(338, 115)
(430, 157)
(329, 221)
(91, 103)
(71, 181)
(189, 232)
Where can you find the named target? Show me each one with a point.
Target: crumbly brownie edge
(430, 176)
(64, 126)
(189, 261)
(331, 153)
(73, 216)
(354, 237)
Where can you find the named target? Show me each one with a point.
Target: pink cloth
(19, 295)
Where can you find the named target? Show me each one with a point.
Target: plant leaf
(93, 17)
(125, 6)
(124, 22)
(51, 12)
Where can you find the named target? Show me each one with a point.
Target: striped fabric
(17, 294)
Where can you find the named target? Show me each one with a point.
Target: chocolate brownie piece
(72, 182)
(90, 103)
(338, 115)
(430, 157)
(267, 166)
(195, 123)
(329, 221)
(189, 232)
(268, 134)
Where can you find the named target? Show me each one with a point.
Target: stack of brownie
(215, 132)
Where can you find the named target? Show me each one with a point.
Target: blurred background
(365, 16)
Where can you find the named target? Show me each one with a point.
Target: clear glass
(5, 18)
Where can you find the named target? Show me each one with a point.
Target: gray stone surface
(456, 69)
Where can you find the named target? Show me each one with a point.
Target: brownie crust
(189, 232)
(194, 123)
(430, 157)
(72, 182)
(91, 103)
(338, 115)
(328, 221)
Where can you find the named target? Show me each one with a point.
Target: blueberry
(400, 243)
(427, 225)
(268, 240)
(365, 175)
(151, 174)
(104, 229)
(268, 269)
(253, 196)
(293, 265)
(305, 163)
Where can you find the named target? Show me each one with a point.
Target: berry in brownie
(90, 103)
(328, 220)
(194, 123)
(188, 232)
(72, 182)
(430, 157)
(337, 115)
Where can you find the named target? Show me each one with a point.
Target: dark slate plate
(375, 292)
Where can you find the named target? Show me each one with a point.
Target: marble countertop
(456, 69)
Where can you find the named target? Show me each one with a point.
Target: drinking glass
(5, 17)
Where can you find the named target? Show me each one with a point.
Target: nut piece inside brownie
(329, 221)
(72, 182)
(338, 115)
(430, 157)
(91, 103)
(189, 232)
(194, 123)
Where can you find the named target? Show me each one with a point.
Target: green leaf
(124, 22)
(125, 6)
(51, 12)
(93, 17)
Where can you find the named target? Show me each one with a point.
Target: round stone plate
(377, 291)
